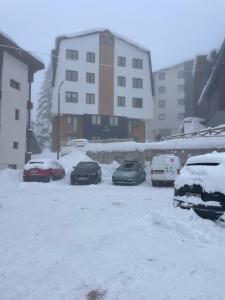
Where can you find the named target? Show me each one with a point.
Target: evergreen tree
(43, 126)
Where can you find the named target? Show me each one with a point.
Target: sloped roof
(9, 45)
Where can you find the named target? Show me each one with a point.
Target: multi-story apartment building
(172, 101)
(17, 68)
(107, 89)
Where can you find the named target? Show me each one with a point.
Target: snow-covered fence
(107, 157)
(208, 132)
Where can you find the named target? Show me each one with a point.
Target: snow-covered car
(43, 170)
(129, 172)
(86, 172)
(201, 186)
(164, 169)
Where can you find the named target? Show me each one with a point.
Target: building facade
(210, 105)
(16, 75)
(107, 89)
(172, 101)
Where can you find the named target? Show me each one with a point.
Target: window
(121, 61)
(72, 122)
(90, 57)
(90, 78)
(162, 103)
(121, 81)
(12, 166)
(113, 121)
(71, 75)
(121, 101)
(17, 114)
(106, 40)
(180, 88)
(180, 116)
(137, 63)
(180, 101)
(137, 83)
(162, 117)
(96, 120)
(71, 97)
(161, 89)
(132, 124)
(137, 102)
(162, 76)
(15, 145)
(71, 54)
(15, 84)
(180, 74)
(90, 98)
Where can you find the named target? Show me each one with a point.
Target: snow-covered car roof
(207, 158)
(40, 163)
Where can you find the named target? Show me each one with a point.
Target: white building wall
(10, 129)
(171, 110)
(84, 44)
(124, 49)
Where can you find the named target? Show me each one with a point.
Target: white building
(16, 74)
(172, 101)
(107, 89)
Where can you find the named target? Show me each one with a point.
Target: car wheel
(72, 181)
(153, 183)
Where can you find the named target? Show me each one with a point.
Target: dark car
(86, 173)
(129, 173)
(200, 186)
(43, 170)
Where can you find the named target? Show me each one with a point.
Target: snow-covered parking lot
(62, 242)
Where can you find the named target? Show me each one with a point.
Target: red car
(43, 170)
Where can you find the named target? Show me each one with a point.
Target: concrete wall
(109, 157)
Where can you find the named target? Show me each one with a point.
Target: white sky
(173, 30)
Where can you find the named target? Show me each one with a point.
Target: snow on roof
(97, 30)
(213, 157)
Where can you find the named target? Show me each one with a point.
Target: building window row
(73, 76)
(136, 102)
(74, 55)
(137, 63)
(162, 89)
(162, 75)
(162, 103)
(136, 82)
(180, 116)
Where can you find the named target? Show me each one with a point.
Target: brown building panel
(138, 132)
(106, 74)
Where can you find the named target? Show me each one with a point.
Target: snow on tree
(43, 126)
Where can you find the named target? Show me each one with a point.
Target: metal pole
(58, 122)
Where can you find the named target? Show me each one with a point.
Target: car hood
(210, 178)
(125, 174)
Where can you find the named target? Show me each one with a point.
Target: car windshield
(128, 166)
(86, 165)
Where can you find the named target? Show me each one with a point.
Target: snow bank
(10, 177)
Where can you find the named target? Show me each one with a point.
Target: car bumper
(88, 180)
(204, 211)
(124, 181)
(35, 178)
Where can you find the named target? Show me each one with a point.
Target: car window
(88, 165)
(129, 166)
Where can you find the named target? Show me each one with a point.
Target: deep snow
(60, 242)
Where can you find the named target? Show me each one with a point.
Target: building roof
(173, 66)
(220, 62)
(9, 45)
(90, 32)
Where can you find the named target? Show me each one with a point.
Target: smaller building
(172, 101)
(17, 68)
(211, 103)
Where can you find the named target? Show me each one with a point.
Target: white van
(164, 169)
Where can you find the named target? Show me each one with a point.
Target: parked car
(129, 172)
(164, 169)
(86, 172)
(43, 170)
(201, 186)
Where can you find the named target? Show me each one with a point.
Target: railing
(208, 132)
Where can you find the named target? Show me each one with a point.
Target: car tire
(154, 183)
(72, 181)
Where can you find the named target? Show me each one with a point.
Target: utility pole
(58, 121)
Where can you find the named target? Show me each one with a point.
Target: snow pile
(10, 177)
